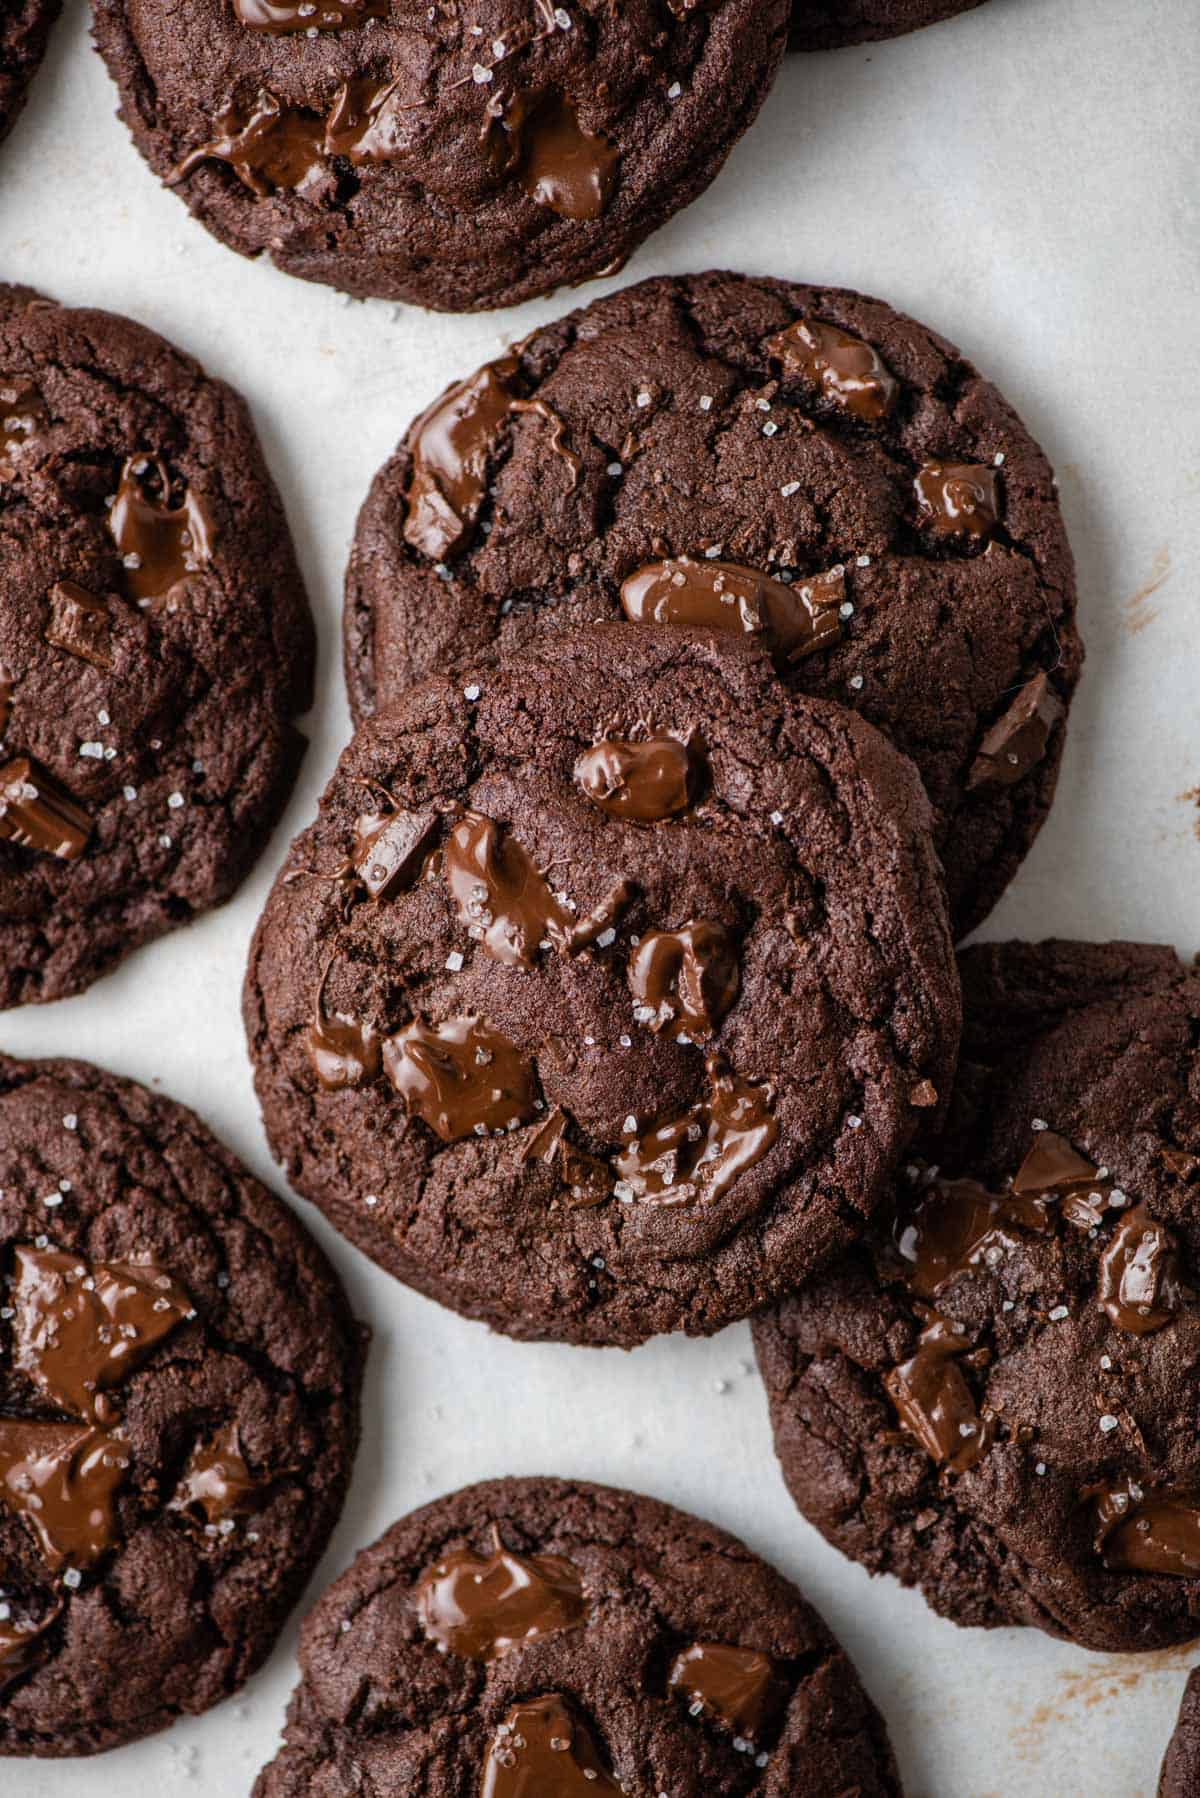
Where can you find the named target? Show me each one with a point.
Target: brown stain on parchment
(1192, 797)
(1137, 612)
(1108, 1680)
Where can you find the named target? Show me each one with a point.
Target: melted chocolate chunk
(217, 1484)
(951, 1225)
(562, 166)
(847, 370)
(796, 620)
(81, 1327)
(643, 780)
(684, 981)
(462, 1077)
(343, 1051)
(81, 624)
(499, 895)
(61, 1481)
(22, 410)
(1148, 1532)
(1053, 1166)
(544, 1750)
(280, 18)
(480, 1606)
(1017, 741)
(700, 1153)
(958, 499)
(37, 813)
(267, 145)
(588, 1181)
(934, 1402)
(368, 121)
(733, 1685)
(159, 544)
(20, 1639)
(389, 849)
(1139, 1284)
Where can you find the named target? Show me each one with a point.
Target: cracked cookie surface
(454, 157)
(608, 986)
(680, 1662)
(993, 1395)
(24, 31)
(827, 24)
(155, 644)
(800, 433)
(179, 1381)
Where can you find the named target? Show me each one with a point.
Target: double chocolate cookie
(24, 30)
(455, 157)
(539, 1636)
(1181, 1768)
(993, 1396)
(607, 988)
(794, 464)
(827, 24)
(178, 1411)
(155, 643)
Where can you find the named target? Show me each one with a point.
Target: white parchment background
(1024, 179)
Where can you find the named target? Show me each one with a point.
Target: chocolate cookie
(155, 642)
(551, 1637)
(178, 1411)
(607, 988)
(827, 24)
(1181, 1768)
(993, 1395)
(24, 30)
(457, 158)
(796, 464)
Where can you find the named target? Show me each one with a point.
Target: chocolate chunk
(562, 166)
(462, 1077)
(1148, 1532)
(950, 1226)
(37, 813)
(450, 445)
(217, 1484)
(481, 1606)
(700, 1153)
(280, 18)
(544, 1747)
(159, 544)
(1139, 1281)
(268, 146)
(733, 1685)
(344, 1052)
(80, 1327)
(22, 410)
(1017, 741)
(368, 121)
(795, 620)
(20, 1638)
(643, 779)
(390, 848)
(958, 499)
(61, 1481)
(499, 895)
(684, 981)
(935, 1403)
(80, 624)
(847, 370)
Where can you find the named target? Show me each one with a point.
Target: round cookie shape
(454, 158)
(24, 32)
(179, 1381)
(1180, 1776)
(585, 1073)
(795, 464)
(155, 644)
(828, 24)
(990, 1397)
(446, 1660)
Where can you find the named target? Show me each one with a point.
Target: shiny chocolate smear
(733, 1685)
(280, 18)
(1139, 1274)
(60, 1480)
(958, 499)
(81, 1327)
(368, 121)
(22, 410)
(462, 1078)
(643, 780)
(36, 812)
(80, 624)
(20, 1640)
(390, 848)
(543, 1749)
(343, 1052)
(267, 145)
(450, 446)
(934, 1402)
(499, 895)
(795, 620)
(1148, 1532)
(480, 1606)
(159, 544)
(848, 371)
(684, 981)
(949, 1226)
(700, 1153)
(1017, 741)
(217, 1484)
(564, 167)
